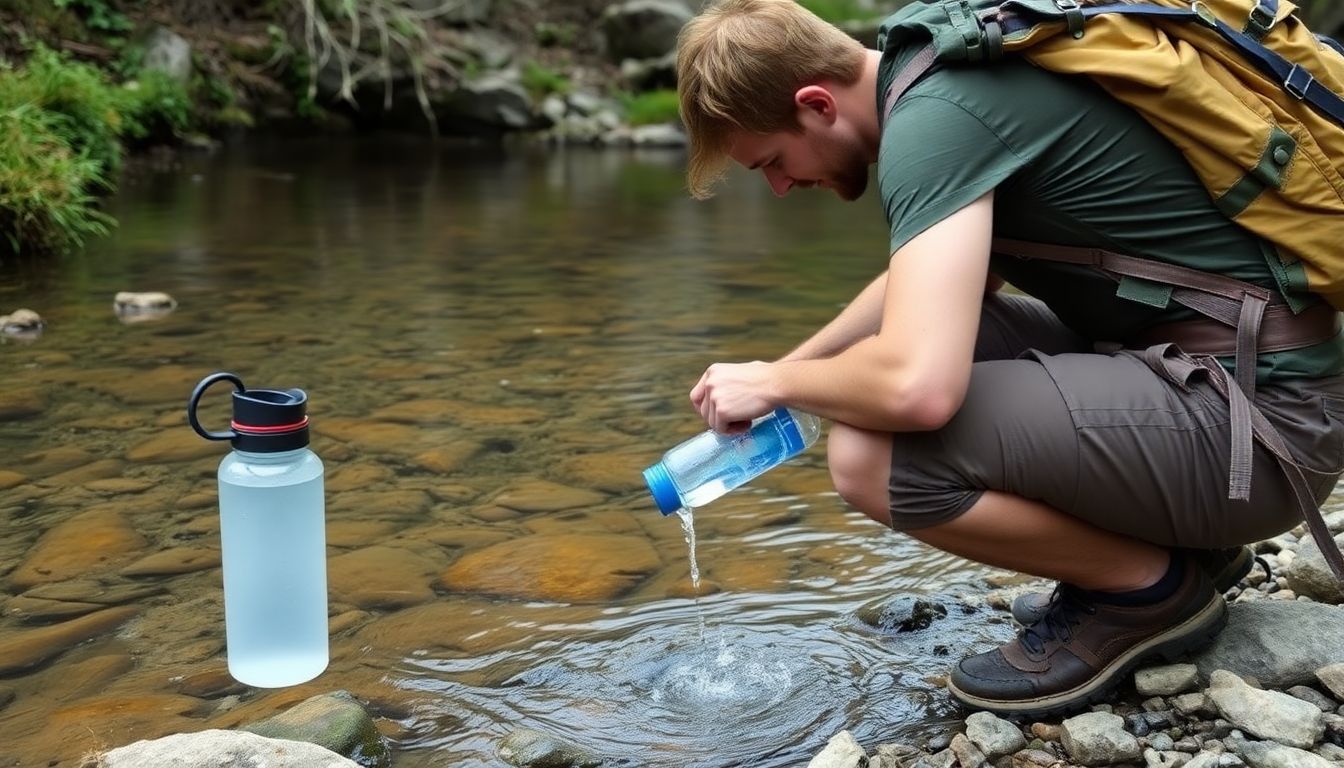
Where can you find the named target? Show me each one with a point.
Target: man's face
(820, 155)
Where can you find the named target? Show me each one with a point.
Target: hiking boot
(1225, 567)
(1082, 648)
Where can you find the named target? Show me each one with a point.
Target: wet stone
(1313, 696)
(607, 472)
(381, 577)
(545, 496)
(21, 651)
(526, 748)
(210, 684)
(350, 477)
(87, 542)
(333, 720)
(566, 568)
(38, 611)
(172, 446)
(86, 590)
(173, 562)
(10, 479)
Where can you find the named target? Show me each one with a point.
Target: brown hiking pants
(1105, 438)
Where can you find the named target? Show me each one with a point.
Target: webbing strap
(912, 71)
(1261, 18)
(1178, 367)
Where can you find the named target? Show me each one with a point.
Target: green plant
(836, 11)
(542, 81)
(45, 204)
(99, 15)
(659, 106)
(84, 110)
(556, 35)
(156, 106)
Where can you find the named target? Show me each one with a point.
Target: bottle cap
(264, 420)
(661, 486)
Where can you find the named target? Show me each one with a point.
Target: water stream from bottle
(687, 516)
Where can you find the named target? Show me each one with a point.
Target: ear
(817, 100)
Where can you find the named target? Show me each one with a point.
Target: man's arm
(912, 375)
(861, 318)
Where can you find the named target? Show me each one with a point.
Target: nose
(779, 182)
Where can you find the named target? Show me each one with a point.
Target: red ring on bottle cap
(273, 430)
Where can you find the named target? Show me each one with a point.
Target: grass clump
(62, 124)
(541, 81)
(650, 107)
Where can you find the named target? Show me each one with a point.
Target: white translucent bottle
(272, 537)
(711, 464)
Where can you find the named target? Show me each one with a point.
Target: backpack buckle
(1261, 19)
(1073, 16)
(1298, 81)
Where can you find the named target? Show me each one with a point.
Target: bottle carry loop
(194, 401)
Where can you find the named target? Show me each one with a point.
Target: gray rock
(1313, 696)
(1332, 752)
(1267, 754)
(643, 29)
(1161, 742)
(994, 736)
(1155, 758)
(1332, 677)
(1099, 738)
(1264, 640)
(1203, 760)
(169, 53)
(212, 749)
(526, 748)
(842, 751)
(665, 135)
(1266, 714)
(1193, 704)
(650, 74)
(1308, 574)
(495, 102)
(331, 720)
(968, 755)
(1166, 681)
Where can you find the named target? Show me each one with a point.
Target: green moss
(541, 81)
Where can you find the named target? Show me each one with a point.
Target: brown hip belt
(1280, 330)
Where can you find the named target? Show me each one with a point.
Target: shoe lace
(1068, 605)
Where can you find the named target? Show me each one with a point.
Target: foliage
(99, 15)
(836, 11)
(556, 35)
(45, 204)
(651, 107)
(542, 81)
(82, 109)
(156, 106)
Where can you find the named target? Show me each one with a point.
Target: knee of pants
(927, 486)
(860, 467)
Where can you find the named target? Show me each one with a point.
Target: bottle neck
(273, 457)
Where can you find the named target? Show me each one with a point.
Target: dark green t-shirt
(1071, 166)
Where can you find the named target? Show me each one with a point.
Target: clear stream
(494, 343)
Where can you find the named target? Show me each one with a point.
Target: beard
(850, 179)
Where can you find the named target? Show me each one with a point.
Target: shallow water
(494, 344)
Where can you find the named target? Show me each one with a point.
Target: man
(1044, 435)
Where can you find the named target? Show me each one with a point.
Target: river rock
(21, 403)
(357, 475)
(170, 446)
(1267, 754)
(1099, 738)
(606, 472)
(1266, 714)
(1308, 574)
(526, 748)
(841, 751)
(545, 496)
(167, 52)
(447, 459)
(493, 103)
(994, 736)
(11, 479)
(174, 562)
(331, 720)
(1263, 640)
(35, 610)
(217, 748)
(381, 577)
(1167, 680)
(21, 321)
(1332, 677)
(21, 651)
(643, 29)
(903, 613)
(568, 568)
(88, 542)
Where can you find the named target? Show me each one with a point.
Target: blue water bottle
(710, 464)
(272, 537)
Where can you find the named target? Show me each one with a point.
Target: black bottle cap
(264, 420)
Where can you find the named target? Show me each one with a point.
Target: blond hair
(739, 64)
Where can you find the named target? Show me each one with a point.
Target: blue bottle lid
(788, 426)
(664, 491)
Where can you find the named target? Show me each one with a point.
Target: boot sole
(1172, 645)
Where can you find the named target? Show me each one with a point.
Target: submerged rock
(334, 721)
(526, 748)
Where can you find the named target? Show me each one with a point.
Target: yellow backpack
(1248, 94)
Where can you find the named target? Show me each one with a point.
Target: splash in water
(687, 516)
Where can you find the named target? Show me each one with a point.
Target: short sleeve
(936, 158)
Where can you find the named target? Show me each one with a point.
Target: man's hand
(729, 395)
